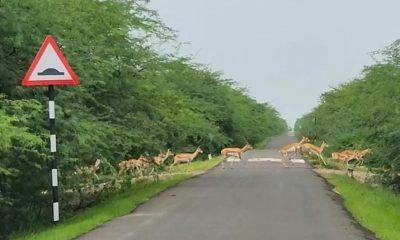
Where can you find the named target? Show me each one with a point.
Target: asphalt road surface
(253, 199)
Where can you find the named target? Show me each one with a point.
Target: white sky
(285, 52)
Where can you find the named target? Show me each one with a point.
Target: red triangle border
(69, 82)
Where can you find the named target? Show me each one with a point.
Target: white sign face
(50, 67)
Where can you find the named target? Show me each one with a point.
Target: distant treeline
(133, 100)
(364, 113)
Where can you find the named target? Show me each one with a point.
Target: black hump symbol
(51, 72)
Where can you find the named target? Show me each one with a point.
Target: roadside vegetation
(117, 205)
(363, 113)
(377, 209)
(133, 100)
(195, 167)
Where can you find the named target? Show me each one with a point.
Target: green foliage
(132, 100)
(364, 113)
(21, 161)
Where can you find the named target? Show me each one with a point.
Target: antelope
(235, 151)
(348, 155)
(361, 154)
(160, 159)
(315, 150)
(344, 156)
(291, 148)
(186, 157)
(134, 164)
(92, 169)
(145, 161)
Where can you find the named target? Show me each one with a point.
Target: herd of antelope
(305, 147)
(143, 163)
(287, 152)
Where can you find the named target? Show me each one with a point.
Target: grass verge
(377, 209)
(194, 167)
(121, 204)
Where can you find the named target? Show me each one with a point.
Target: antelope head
(169, 153)
(198, 150)
(366, 151)
(248, 147)
(96, 165)
(304, 140)
(145, 159)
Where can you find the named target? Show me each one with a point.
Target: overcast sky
(285, 52)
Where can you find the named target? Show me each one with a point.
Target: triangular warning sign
(50, 67)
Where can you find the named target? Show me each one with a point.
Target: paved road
(251, 200)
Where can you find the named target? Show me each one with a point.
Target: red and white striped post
(53, 152)
(50, 68)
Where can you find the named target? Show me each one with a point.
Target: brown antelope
(92, 169)
(186, 157)
(145, 161)
(361, 154)
(291, 148)
(310, 148)
(129, 165)
(344, 157)
(235, 151)
(348, 155)
(134, 165)
(160, 159)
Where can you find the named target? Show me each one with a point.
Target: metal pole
(53, 151)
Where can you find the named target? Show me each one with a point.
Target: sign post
(53, 151)
(50, 68)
